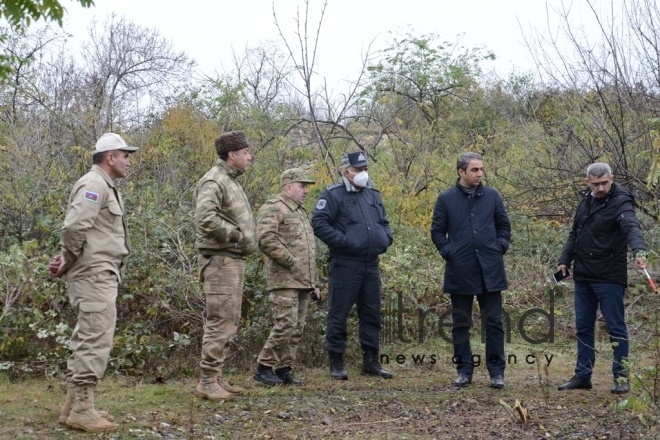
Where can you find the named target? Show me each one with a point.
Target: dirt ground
(419, 403)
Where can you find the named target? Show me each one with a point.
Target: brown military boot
(208, 388)
(68, 404)
(84, 416)
(229, 387)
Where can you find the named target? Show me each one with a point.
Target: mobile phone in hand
(558, 276)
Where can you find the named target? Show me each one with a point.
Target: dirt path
(420, 403)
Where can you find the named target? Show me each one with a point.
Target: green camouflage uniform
(287, 239)
(222, 213)
(94, 244)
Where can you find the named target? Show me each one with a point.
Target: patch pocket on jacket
(292, 225)
(115, 210)
(290, 219)
(377, 212)
(352, 211)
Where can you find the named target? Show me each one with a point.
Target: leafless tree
(330, 117)
(128, 69)
(606, 91)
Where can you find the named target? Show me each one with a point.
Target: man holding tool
(603, 227)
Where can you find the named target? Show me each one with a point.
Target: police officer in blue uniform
(350, 218)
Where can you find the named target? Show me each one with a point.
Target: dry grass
(419, 403)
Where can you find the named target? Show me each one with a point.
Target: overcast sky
(208, 29)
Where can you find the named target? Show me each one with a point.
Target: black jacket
(599, 240)
(471, 232)
(353, 224)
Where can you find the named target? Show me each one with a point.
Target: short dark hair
(224, 155)
(464, 160)
(98, 158)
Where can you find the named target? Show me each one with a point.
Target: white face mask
(361, 179)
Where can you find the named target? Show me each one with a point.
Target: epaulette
(336, 185)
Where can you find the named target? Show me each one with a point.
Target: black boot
(576, 383)
(337, 366)
(266, 376)
(287, 377)
(371, 365)
(621, 386)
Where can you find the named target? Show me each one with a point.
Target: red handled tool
(655, 289)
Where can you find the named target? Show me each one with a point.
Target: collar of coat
(288, 201)
(478, 192)
(616, 191)
(106, 177)
(232, 171)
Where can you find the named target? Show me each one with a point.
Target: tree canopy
(21, 13)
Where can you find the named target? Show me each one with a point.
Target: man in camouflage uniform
(94, 244)
(225, 237)
(287, 239)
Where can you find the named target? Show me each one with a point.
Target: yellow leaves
(653, 177)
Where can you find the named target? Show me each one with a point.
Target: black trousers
(353, 282)
(490, 304)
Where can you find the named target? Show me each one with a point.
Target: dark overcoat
(472, 233)
(598, 242)
(353, 224)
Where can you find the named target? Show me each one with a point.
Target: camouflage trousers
(289, 312)
(222, 279)
(94, 301)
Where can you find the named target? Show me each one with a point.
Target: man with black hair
(471, 230)
(94, 244)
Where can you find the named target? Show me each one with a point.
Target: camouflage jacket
(222, 213)
(287, 239)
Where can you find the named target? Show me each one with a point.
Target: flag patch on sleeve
(91, 196)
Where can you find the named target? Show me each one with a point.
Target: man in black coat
(350, 218)
(603, 227)
(471, 230)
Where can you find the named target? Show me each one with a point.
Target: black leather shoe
(497, 381)
(337, 370)
(576, 383)
(620, 387)
(371, 364)
(287, 377)
(463, 380)
(266, 376)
